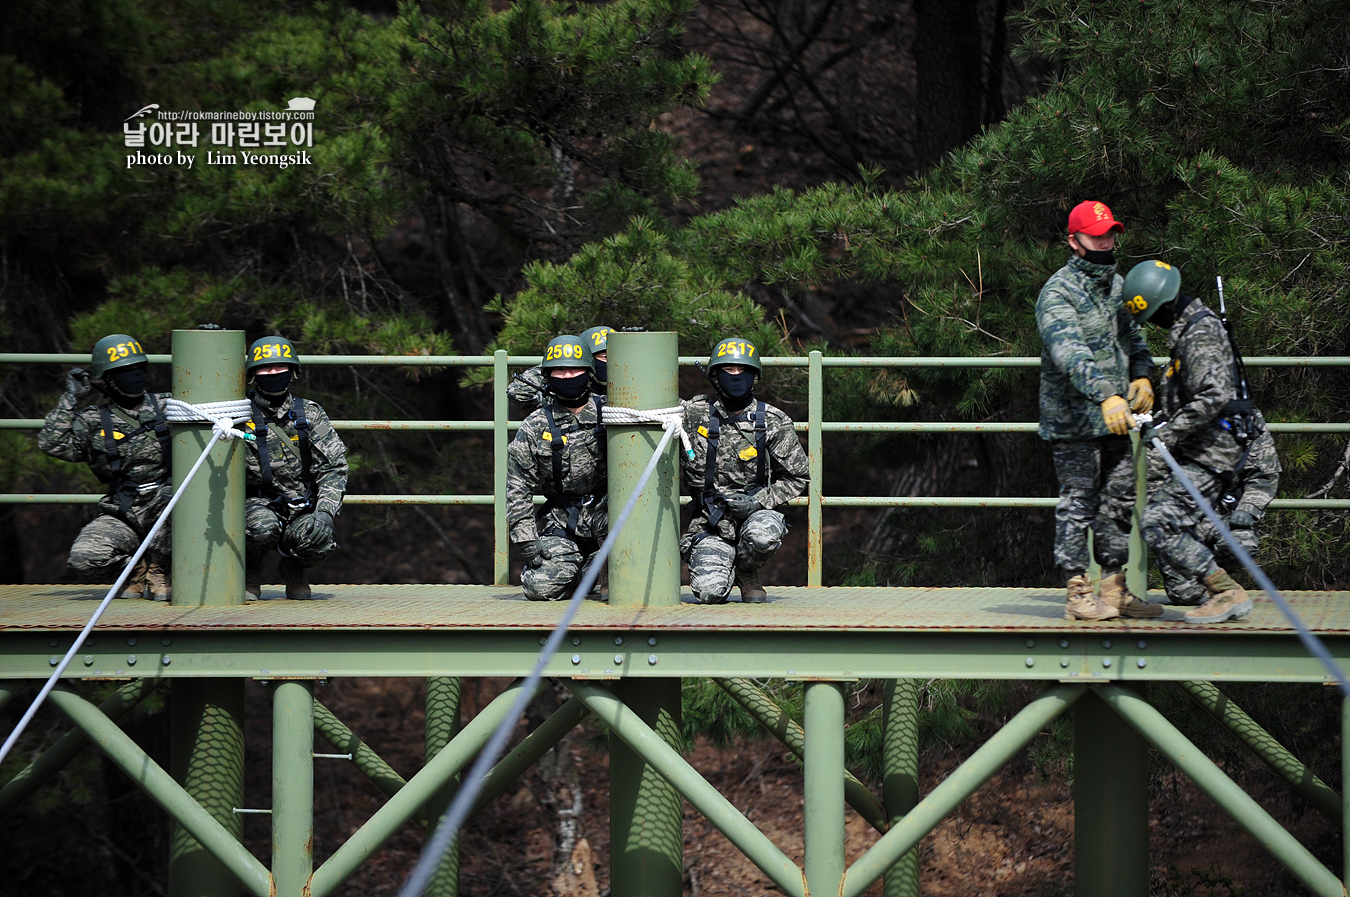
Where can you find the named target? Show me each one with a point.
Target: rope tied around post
(222, 416)
(669, 418)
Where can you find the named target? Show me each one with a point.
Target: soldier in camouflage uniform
(297, 472)
(747, 461)
(526, 389)
(559, 453)
(126, 443)
(1241, 507)
(1205, 428)
(1094, 372)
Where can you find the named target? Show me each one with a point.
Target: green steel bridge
(623, 661)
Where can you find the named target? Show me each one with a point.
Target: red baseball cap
(1094, 219)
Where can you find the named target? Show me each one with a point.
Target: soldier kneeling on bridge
(747, 461)
(559, 453)
(297, 472)
(125, 441)
(1209, 425)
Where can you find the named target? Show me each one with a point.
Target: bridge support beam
(292, 786)
(1110, 797)
(823, 787)
(900, 774)
(442, 725)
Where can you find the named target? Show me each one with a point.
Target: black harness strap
(306, 452)
(761, 441)
(569, 501)
(260, 440)
(1237, 416)
(126, 490)
(714, 427)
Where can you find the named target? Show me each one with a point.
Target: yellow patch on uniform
(251, 426)
(703, 431)
(548, 437)
(116, 435)
(295, 438)
(748, 452)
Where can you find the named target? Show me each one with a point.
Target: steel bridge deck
(802, 633)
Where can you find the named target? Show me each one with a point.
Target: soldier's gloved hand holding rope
(1116, 412)
(1140, 396)
(740, 506)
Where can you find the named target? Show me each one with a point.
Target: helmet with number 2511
(116, 350)
(271, 350)
(734, 350)
(1148, 287)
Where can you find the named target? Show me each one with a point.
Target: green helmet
(116, 350)
(595, 338)
(734, 350)
(271, 350)
(1148, 287)
(568, 352)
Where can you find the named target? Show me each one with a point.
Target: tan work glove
(1116, 411)
(1140, 396)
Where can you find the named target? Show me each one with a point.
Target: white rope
(222, 416)
(670, 418)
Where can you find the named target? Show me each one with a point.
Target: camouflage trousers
(1096, 491)
(107, 543)
(1182, 587)
(559, 565)
(265, 529)
(713, 560)
(1177, 533)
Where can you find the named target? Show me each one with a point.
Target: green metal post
(292, 787)
(208, 521)
(1110, 795)
(1275, 755)
(501, 537)
(823, 787)
(646, 817)
(1210, 779)
(644, 567)
(69, 745)
(442, 700)
(900, 774)
(815, 410)
(1136, 571)
(208, 569)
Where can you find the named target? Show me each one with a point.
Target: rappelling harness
(286, 507)
(121, 485)
(709, 499)
(571, 503)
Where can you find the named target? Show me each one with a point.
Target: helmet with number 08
(567, 352)
(116, 350)
(735, 351)
(271, 350)
(1148, 287)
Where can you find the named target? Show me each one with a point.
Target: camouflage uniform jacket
(1260, 474)
(787, 469)
(526, 389)
(583, 483)
(1197, 384)
(328, 469)
(77, 435)
(1092, 349)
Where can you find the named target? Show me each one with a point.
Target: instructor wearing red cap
(1094, 372)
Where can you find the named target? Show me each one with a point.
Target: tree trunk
(932, 476)
(948, 65)
(563, 796)
(460, 300)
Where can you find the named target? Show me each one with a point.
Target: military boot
(1082, 604)
(157, 577)
(1115, 594)
(1228, 600)
(253, 577)
(135, 584)
(293, 573)
(751, 590)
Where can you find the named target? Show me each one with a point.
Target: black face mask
(1099, 256)
(1166, 316)
(273, 385)
(570, 389)
(735, 388)
(127, 385)
(601, 370)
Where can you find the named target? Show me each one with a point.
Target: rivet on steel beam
(1106, 661)
(576, 659)
(792, 672)
(576, 640)
(1106, 643)
(53, 660)
(131, 642)
(1031, 643)
(131, 660)
(618, 660)
(542, 639)
(1064, 662)
(652, 641)
(618, 640)
(1142, 644)
(1141, 663)
(1064, 643)
(1031, 661)
(88, 660)
(52, 643)
(652, 660)
(166, 641)
(167, 660)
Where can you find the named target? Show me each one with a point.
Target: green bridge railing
(814, 426)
